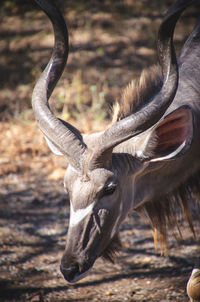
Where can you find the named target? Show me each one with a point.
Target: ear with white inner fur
(173, 134)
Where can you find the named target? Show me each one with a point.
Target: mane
(138, 92)
(166, 213)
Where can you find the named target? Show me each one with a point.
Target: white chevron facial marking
(80, 214)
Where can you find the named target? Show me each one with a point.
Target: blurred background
(111, 41)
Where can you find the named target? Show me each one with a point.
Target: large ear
(173, 135)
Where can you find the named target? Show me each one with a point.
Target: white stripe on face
(77, 216)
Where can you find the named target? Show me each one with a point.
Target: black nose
(70, 272)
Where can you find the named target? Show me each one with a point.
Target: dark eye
(110, 188)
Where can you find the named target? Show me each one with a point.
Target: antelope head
(98, 172)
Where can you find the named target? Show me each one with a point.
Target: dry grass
(110, 43)
(24, 151)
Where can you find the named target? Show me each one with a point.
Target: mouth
(73, 271)
(72, 274)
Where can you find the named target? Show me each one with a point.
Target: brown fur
(193, 285)
(165, 214)
(138, 92)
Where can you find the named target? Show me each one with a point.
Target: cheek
(102, 218)
(110, 202)
(109, 219)
(103, 223)
(117, 221)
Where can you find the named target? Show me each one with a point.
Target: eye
(109, 188)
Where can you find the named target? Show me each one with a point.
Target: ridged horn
(61, 134)
(154, 108)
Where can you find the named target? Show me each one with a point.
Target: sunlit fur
(138, 92)
(193, 288)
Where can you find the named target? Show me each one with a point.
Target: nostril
(69, 272)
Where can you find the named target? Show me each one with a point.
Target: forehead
(84, 187)
(95, 176)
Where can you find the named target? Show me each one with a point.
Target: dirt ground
(109, 45)
(34, 216)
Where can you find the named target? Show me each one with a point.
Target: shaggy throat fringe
(166, 214)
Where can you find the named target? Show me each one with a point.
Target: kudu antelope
(147, 160)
